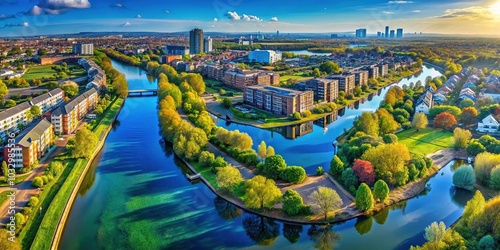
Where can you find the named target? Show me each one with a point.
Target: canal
(137, 197)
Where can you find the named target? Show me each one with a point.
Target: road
(25, 91)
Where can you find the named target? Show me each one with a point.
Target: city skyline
(45, 17)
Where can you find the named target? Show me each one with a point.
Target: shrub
(413, 172)
(273, 165)
(33, 201)
(26, 211)
(495, 178)
(320, 171)
(401, 177)
(54, 169)
(45, 179)
(226, 103)
(336, 166)
(293, 174)
(37, 182)
(292, 202)
(219, 162)
(380, 191)
(390, 138)
(464, 177)
(364, 198)
(475, 147)
(19, 220)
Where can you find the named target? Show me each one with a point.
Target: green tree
(435, 232)
(349, 178)
(364, 198)
(3, 90)
(5, 171)
(261, 192)
(37, 182)
(5, 243)
(270, 151)
(42, 52)
(475, 147)
(33, 201)
(466, 103)
(226, 103)
(473, 209)
(436, 110)
(368, 123)
(273, 166)
(329, 67)
(10, 103)
(292, 202)
(206, 158)
(70, 89)
(261, 150)
(20, 220)
(469, 115)
(419, 121)
(380, 191)
(387, 123)
(54, 169)
(461, 137)
(495, 178)
(228, 177)
(35, 111)
(483, 164)
(387, 159)
(486, 243)
(296, 116)
(85, 143)
(357, 91)
(320, 171)
(336, 166)
(325, 200)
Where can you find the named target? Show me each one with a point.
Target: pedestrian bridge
(142, 92)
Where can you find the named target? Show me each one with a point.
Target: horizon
(26, 18)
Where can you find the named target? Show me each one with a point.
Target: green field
(297, 77)
(215, 87)
(46, 71)
(3, 196)
(426, 141)
(19, 179)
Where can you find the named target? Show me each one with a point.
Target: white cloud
(26, 24)
(233, 16)
(249, 18)
(215, 19)
(52, 12)
(274, 19)
(35, 10)
(167, 11)
(470, 13)
(64, 4)
(126, 24)
(139, 16)
(400, 2)
(416, 11)
(388, 12)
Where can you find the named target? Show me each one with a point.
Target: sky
(45, 17)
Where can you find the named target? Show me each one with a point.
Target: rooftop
(32, 133)
(277, 90)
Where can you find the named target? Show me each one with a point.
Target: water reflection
(381, 216)
(460, 196)
(294, 131)
(292, 232)
(116, 124)
(363, 225)
(323, 237)
(226, 210)
(89, 178)
(262, 230)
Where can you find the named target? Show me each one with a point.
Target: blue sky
(41, 17)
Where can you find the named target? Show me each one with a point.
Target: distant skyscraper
(386, 31)
(278, 33)
(379, 34)
(399, 33)
(208, 45)
(196, 41)
(392, 34)
(361, 33)
(334, 36)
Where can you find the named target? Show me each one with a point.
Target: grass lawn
(215, 87)
(206, 172)
(426, 141)
(3, 196)
(39, 234)
(298, 77)
(19, 179)
(46, 71)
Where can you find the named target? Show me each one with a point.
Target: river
(136, 196)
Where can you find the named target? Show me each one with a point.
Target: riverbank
(49, 233)
(215, 108)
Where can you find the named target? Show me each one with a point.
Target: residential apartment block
(30, 145)
(83, 49)
(12, 118)
(360, 76)
(325, 90)
(278, 100)
(240, 79)
(372, 71)
(264, 56)
(176, 50)
(96, 76)
(346, 81)
(66, 118)
(383, 69)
